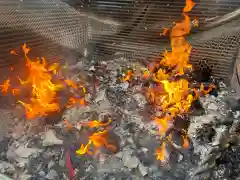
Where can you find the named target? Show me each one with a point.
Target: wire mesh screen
(60, 30)
(51, 28)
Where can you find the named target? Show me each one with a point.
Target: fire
(128, 75)
(98, 140)
(96, 123)
(68, 125)
(13, 52)
(71, 83)
(15, 91)
(5, 86)
(161, 153)
(185, 141)
(189, 5)
(146, 74)
(165, 32)
(45, 83)
(71, 102)
(170, 93)
(44, 90)
(195, 22)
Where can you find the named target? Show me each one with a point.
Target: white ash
(119, 155)
(112, 164)
(143, 169)
(77, 114)
(198, 122)
(3, 177)
(212, 106)
(221, 136)
(50, 139)
(25, 176)
(141, 99)
(21, 154)
(52, 174)
(124, 86)
(6, 167)
(74, 114)
(130, 161)
(219, 117)
(101, 95)
(51, 164)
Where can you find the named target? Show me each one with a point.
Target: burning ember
(5, 86)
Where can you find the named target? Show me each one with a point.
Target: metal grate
(60, 30)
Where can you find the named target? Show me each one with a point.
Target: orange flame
(13, 53)
(129, 74)
(68, 125)
(15, 91)
(44, 91)
(195, 22)
(71, 102)
(185, 142)
(146, 74)
(161, 153)
(5, 86)
(71, 83)
(96, 123)
(98, 140)
(165, 32)
(189, 5)
(173, 96)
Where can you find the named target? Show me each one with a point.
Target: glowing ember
(5, 86)
(195, 22)
(97, 140)
(165, 32)
(71, 102)
(185, 141)
(128, 75)
(96, 123)
(146, 74)
(71, 83)
(161, 153)
(68, 125)
(15, 92)
(13, 52)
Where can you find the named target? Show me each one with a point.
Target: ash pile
(117, 119)
(39, 150)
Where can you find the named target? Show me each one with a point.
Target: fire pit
(104, 98)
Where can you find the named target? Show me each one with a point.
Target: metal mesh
(50, 27)
(60, 30)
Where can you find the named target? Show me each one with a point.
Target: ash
(38, 150)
